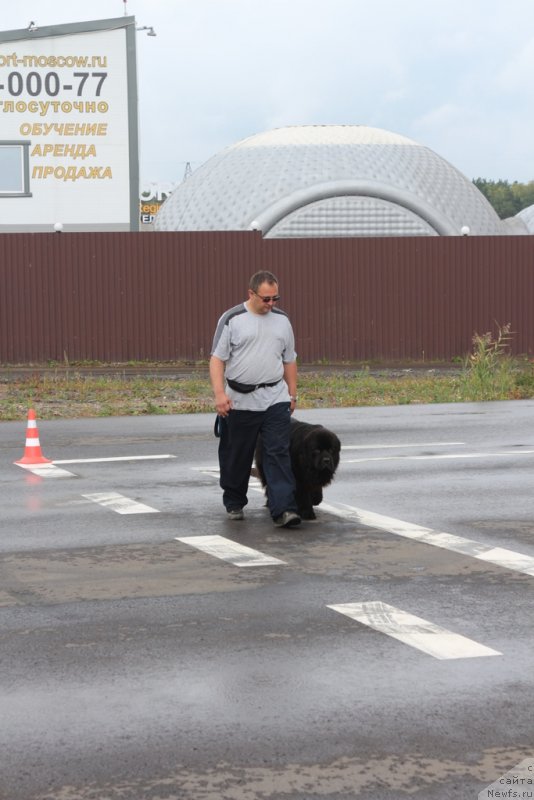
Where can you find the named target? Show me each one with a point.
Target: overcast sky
(455, 75)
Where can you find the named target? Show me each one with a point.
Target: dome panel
(526, 216)
(351, 216)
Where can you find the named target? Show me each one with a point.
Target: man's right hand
(223, 404)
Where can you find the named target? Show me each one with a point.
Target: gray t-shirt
(255, 348)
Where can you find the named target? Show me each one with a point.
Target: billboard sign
(152, 197)
(68, 127)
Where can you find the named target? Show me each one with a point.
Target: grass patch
(71, 393)
(488, 373)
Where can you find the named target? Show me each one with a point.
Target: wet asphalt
(135, 665)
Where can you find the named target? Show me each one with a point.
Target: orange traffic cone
(32, 451)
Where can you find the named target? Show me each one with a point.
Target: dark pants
(239, 432)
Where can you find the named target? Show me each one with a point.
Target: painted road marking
(392, 446)
(120, 503)
(53, 471)
(214, 473)
(227, 550)
(115, 458)
(500, 556)
(47, 470)
(440, 456)
(414, 631)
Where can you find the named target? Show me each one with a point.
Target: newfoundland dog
(314, 459)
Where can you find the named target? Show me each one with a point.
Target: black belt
(246, 388)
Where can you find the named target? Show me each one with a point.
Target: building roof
(329, 180)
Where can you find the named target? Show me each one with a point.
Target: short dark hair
(261, 277)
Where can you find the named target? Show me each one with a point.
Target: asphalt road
(383, 651)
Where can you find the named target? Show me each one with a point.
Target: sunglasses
(272, 299)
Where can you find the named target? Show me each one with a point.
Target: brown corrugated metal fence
(117, 297)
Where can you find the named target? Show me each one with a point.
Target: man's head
(262, 292)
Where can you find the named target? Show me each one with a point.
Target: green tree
(524, 192)
(506, 198)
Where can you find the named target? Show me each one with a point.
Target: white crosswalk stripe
(47, 470)
(500, 556)
(414, 631)
(120, 503)
(227, 550)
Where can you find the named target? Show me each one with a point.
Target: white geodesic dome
(527, 218)
(329, 180)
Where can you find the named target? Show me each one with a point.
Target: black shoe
(235, 513)
(287, 520)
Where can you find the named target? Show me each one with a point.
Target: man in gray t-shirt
(253, 372)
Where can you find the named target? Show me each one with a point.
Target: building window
(14, 169)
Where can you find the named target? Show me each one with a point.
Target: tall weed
(489, 370)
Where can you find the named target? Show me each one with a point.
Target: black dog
(314, 459)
